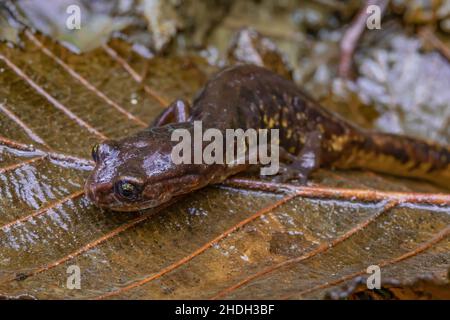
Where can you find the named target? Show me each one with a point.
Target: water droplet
(134, 99)
(244, 257)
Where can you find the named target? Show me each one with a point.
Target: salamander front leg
(304, 163)
(177, 111)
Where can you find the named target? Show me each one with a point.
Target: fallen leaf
(241, 239)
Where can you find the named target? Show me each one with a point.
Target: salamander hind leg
(177, 111)
(300, 166)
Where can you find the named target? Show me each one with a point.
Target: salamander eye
(94, 152)
(128, 190)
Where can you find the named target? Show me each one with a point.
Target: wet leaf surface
(426, 288)
(227, 241)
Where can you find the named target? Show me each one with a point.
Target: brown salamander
(137, 172)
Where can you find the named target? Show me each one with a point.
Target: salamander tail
(404, 156)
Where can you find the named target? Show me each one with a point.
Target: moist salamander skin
(137, 172)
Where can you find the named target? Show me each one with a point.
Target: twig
(427, 35)
(351, 37)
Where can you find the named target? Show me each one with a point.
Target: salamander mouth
(137, 206)
(154, 194)
(165, 191)
(132, 208)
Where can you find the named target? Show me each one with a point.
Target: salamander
(137, 172)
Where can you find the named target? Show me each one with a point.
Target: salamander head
(137, 172)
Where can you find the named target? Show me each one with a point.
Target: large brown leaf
(239, 240)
